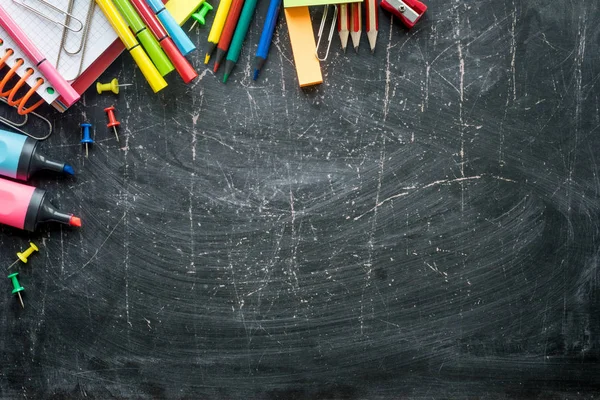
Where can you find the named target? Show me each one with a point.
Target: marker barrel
(24, 207)
(20, 159)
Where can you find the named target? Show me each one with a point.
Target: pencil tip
(356, 49)
(255, 76)
(225, 77)
(216, 68)
(207, 59)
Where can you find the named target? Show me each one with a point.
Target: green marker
(235, 48)
(147, 39)
(17, 287)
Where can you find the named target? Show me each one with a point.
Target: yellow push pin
(113, 86)
(24, 256)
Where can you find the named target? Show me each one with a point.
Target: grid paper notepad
(47, 35)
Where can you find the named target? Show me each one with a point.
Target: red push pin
(112, 120)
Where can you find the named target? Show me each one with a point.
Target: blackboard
(424, 224)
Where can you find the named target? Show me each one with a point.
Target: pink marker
(24, 207)
(69, 95)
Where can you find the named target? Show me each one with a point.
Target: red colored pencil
(344, 24)
(228, 30)
(356, 27)
(372, 18)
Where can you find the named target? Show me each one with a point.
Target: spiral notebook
(64, 48)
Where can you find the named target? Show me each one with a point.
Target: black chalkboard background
(422, 225)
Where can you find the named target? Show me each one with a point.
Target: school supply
(228, 30)
(200, 16)
(238, 37)
(182, 65)
(322, 28)
(154, 78)
(408, 11)
(112, 120)
(100, 47)
(217, 28)
(145, 37)
(86, 137)
(308, 3)
(54, 40)
(17, 288)
(304, 48)
(17, 125)
(112, 86)
(183, 42)
(266, 37)
(372, 22)
(355, 24)
(25, 207)
(344, 24)
(24, 256)
(20, 157)
(182, 10)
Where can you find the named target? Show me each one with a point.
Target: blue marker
(266, 37)
(182, 41)
(20, 159)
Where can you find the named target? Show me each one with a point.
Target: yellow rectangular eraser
(304, 47)
(182, 10)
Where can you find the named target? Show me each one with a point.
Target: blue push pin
(87, 139)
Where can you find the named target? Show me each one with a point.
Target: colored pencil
(372, 18)
(266, 37)
(217, 28)
(344, 24)
(238, 37)
(356, 10)
(228, 30)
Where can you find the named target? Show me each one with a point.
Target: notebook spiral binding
(10, 93)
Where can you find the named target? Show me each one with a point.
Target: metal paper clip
(52, 7)
(18, 125)
(331, 30)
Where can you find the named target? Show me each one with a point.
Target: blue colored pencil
(266, 36)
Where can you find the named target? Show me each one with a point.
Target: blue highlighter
(182, 41)
(20, 159)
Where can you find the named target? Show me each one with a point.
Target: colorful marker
(149, 43)
(228, 30)
(266, 37)
(238, 37)
(154, 78)
(183, 42)
(217, 28)
(182, 65)
(25, 207)
(20, 159)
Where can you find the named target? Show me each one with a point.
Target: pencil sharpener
(408, 11)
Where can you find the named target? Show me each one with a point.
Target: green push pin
(199, 16)
(17, 287)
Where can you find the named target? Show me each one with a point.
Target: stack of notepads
(59, 52)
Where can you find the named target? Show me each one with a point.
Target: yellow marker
(217, 28)
(156, 81)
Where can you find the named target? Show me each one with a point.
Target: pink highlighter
(24, 207)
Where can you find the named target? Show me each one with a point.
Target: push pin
(408, 11)
(199, 16)
(112, 120)
(87, 139)
(24, 256)
(113, 86)
(17, 288)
